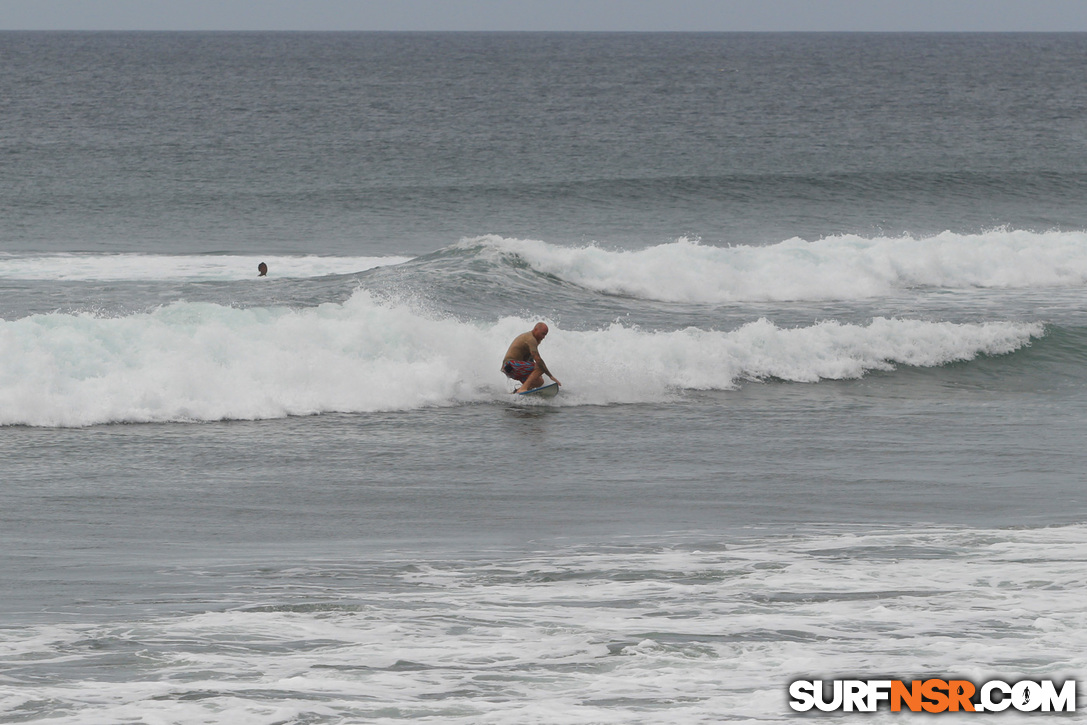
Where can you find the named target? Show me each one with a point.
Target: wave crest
(202, 361)
(836, 268)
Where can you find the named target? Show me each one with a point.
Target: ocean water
(817, 303)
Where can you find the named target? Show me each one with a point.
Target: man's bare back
(524, 347)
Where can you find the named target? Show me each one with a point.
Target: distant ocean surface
(817, 303)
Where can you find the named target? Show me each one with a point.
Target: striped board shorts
(518, 369)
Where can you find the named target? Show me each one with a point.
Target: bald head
(539, 331)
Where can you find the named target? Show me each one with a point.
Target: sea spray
(842, 267)
(623, 364)
(192, 361)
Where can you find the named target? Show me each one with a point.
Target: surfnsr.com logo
(932, 695)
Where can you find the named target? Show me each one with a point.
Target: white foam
(653, 632)
(842, 267)
(207, 267)
(202, 361)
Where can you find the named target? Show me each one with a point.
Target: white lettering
(1065, 701)
(878, 690)
(836, 700)
(1027, 696)
(987, 698)
(803, 694)
(856, 696)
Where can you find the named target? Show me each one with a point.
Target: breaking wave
(194, 361)
(835, 268)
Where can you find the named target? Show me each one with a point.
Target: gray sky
(590, 15)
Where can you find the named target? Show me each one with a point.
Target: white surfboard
(545, 391)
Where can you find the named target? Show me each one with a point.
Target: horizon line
(542, 32)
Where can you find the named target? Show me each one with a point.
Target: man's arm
(543, 366)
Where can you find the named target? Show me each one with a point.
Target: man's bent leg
(534, 380)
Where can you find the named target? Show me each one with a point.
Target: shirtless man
(523, 362)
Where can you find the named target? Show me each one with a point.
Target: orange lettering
(960, 692)
(933, 690)
(912, 696)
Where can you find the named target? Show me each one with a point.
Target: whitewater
(206, 361)
(834, 268)
(831, 268)
(635, 633)
(816, 301)
(188, 361)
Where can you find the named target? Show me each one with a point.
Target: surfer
(263, 269)
(523, 362)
